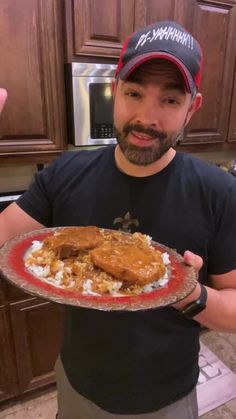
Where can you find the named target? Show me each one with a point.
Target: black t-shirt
(137, 362)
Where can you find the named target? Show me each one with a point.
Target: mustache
(161, 135)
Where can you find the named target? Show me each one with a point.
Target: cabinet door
(97, 28)
(8, 374)
(37, 332)
(232, 126)
(151, 11)
(218, 41)
(213, 24)
(33, 121)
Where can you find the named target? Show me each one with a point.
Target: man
(142, 364)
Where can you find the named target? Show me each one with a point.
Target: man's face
(150, 111)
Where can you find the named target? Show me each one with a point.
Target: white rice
(39, 271)
(36, 245)
(87, 288)
(166, 258)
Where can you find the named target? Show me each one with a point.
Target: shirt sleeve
(37, 200)
(222, 252)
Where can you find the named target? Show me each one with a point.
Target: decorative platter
(182, 279)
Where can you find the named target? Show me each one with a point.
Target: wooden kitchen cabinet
(232, 125)
(32, 127)
(31, 333)
(97, 28)
(8, 377)
(37, 332)
(213, 24)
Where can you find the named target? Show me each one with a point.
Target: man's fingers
(193, 260)
(3, 96)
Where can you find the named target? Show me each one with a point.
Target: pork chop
(69, 241)
(128, 262)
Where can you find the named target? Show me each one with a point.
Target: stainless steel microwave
(92, 102)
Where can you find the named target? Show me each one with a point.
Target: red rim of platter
(16, 264)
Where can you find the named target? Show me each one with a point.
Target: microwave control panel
(102, 131)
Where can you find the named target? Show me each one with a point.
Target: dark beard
(142, 156)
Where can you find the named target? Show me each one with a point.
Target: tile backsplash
(16, 178)
(217, 157)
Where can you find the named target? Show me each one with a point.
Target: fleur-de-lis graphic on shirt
(126, 222)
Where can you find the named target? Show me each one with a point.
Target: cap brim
(134, 63)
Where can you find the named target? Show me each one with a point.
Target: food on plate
(69, 241)
(129, 262)
(95, 261)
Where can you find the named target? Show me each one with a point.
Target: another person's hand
(3, 97)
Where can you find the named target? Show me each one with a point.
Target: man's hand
(193, 260)
(196, 262)
(3, 97)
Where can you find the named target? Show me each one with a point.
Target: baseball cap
(167, 40)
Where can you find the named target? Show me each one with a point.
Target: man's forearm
(14, 221)
(220, 313)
